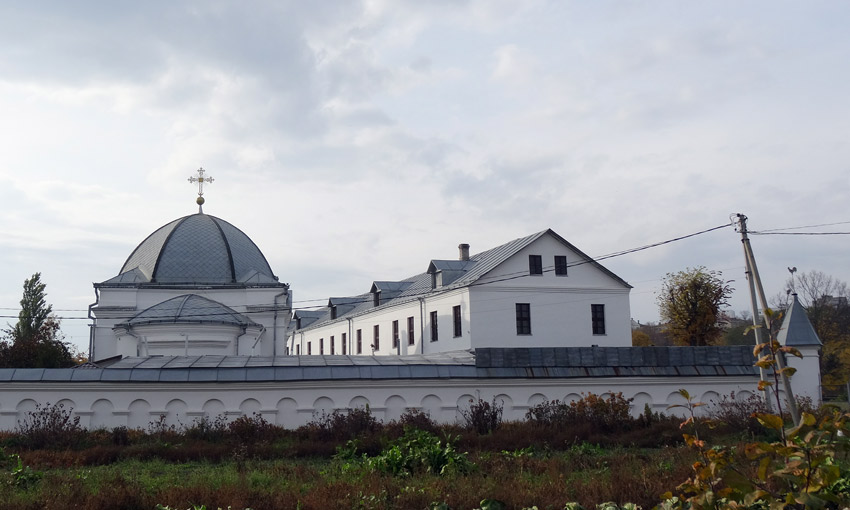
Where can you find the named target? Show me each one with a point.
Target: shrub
(206, 429)
(482, 416)
(341, 425)
(737, 413)
(608, 414)
(252, 428)
(50, 426)
(420, 451)
(418, 419)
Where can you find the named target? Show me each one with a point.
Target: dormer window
(433, 280)
(333, 312)
(298, 323)
(376, 298)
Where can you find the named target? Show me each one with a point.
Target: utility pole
(755, 284)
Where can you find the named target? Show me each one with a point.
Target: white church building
(195, 323)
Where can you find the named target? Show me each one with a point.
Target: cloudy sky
(356, 141)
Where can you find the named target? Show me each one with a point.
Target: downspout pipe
(274, 323)
(93, 325)
(256, 340)
(421, 325)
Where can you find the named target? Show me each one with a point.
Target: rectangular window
(376, 337)
(523, 318)
(376, 299)
(344, 346)
(298, 350)
(597, 317)
(560, 265)
(321, 346)
(458, 327)
(434, 329)
(359, 341)
(410, 338)
(309, 348)
(333, 348)
(333, 312)
(535, 264)
(395, 334)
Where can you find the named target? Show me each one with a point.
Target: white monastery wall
(292, 404)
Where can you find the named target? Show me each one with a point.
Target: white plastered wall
(117, 305)
(292, 404)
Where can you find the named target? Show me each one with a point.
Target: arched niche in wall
(102, 416)
(506, 402)
(536, 399)
(358, 402)
(287, 413)
(571, 397)
(710, 399)
(463, 404)
(323, 405)
(249, 407)
(140, 415)
(433, 406)
(395, 405)
(175, 413)
(213, 409)
(641, 400)
(24, 408)
(67, 405)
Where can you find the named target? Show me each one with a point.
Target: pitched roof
(489, 363)
(796, 329)
(463, 274)
(189, 309)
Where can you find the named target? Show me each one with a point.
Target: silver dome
(199, 249)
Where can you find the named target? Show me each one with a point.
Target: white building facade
(536, 291)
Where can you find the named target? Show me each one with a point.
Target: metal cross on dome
(200, 179)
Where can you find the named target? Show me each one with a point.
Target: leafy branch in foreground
(806, 468)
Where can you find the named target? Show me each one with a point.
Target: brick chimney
(464, 251)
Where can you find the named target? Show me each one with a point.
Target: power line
(765, 233)
(804, 226)
(494, 279)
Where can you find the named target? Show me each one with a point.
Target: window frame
(457, 321)
(597, 319)
(435, 327)
(523, 319)
(561, 265)
(333, 349)
(343, 339)
(359, 341)
(376, 337)
(396, 339)
(535, 265)
(411, 338)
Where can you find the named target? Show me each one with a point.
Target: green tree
(35, 341)
(690, 303)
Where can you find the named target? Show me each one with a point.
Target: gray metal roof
(196, 249)
(489, 363)
(797, 330)
(463, 274)
(189, 309)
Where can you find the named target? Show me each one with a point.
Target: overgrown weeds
(50, 426)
